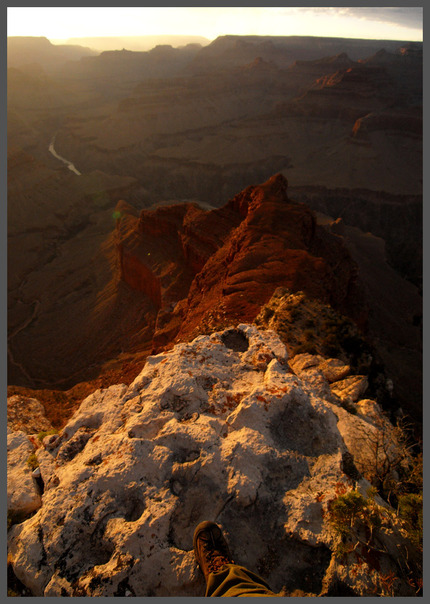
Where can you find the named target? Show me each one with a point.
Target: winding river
(69, 164)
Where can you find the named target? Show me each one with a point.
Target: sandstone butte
(206, 269)
(227, 428)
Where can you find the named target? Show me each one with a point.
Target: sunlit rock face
(23, 496)
(220, 429)
(26, 414)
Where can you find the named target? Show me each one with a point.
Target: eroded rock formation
(219, 428)
(216, 266)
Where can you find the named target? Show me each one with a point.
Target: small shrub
(346, 509)
(415, 473)
(42, 435)
(371, 492)
(32, 461)
(390, 466)
(411, 511)
(352, 515)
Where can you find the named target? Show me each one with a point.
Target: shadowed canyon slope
(208, 136)
(189, 128)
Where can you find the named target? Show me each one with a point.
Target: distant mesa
(137, 43)
(24, 50)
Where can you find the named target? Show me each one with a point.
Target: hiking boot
(210, 548)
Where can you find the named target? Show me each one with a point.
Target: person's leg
(223, 577)
(233, 580)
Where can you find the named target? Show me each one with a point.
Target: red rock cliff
(277, 243)
(205, 268)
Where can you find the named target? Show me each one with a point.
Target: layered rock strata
(218, 266)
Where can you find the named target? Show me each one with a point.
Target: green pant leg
(237, 581)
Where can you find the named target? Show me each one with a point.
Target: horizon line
(52, 39)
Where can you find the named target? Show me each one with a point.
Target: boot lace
(215, 553)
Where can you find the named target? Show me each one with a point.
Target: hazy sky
(56, 23)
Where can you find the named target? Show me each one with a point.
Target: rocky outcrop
(395, 302)
(171, 267)
(23, 493)
(27, 424)
(405, 68)
(305, 73)
(219, 428)
(26, 414)
(313, 331)
(224, 264)
(277, 243)
(406, 123)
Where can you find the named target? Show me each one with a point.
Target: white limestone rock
(318, 372)
(215, 429)
(351, 388)
(370, 438)
(371, 412)
(23, 496)
(47, 467)
(301, 362)
(334, 369)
